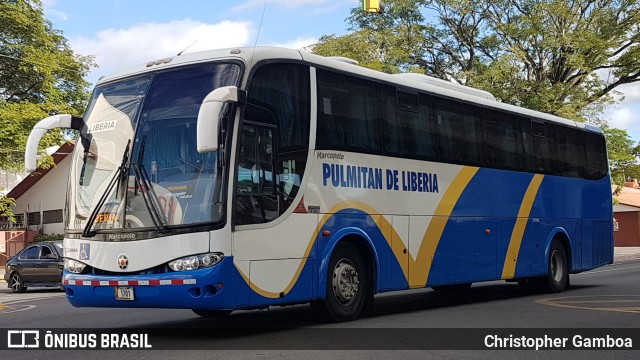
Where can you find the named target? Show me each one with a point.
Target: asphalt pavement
(621, 254)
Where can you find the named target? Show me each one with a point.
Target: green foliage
(49, 237)
(5, 207)
(622, 155)
(40, 75)
(547, 55)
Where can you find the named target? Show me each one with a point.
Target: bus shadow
(298, 327)
(299, 316)
(427, 299)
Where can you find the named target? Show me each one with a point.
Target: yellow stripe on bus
(422, 266)
(511, 258)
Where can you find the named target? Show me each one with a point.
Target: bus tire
(347, 285)
(211, 313)
(557, 279)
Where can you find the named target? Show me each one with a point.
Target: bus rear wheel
(346, 286)
(211, 313)
(557, 279)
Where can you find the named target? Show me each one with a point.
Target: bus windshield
(136, 164)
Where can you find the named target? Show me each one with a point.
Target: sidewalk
(621, 254)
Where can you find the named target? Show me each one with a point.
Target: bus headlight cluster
(74, 266)
(196, 262)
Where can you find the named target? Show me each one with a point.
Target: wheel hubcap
(345, 282)
(557, 266)
(15, 283)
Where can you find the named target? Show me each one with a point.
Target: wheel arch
(562, 236)
(365, 247)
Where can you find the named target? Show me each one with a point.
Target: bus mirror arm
(210, 113)
(65, 121)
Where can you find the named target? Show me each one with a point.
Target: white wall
(624, 208)
(47, 194)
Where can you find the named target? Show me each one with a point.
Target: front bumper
(208, 288)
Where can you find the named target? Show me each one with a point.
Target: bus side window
(538, 148)
(504, 140)
(348, 116)
(330, 132)
(461, 138)
(283, 89)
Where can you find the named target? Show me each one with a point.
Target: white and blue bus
(245, 178)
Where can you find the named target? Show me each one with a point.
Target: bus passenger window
(348, 116)
(460, 130)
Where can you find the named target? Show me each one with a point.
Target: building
(627, 214)
(40, 199)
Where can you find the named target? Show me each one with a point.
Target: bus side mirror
(56, 121)
(209, 116)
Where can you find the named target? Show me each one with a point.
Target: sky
(121, 33)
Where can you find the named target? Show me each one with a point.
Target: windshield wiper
(149, 196)
(146, 189)
(118, 177)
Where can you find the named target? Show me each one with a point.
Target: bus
(253, 177)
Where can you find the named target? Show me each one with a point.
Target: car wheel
(16, 283)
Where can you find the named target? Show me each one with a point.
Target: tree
(622, 155)
(40, 75)
(558, 56)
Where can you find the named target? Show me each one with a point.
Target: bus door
(269, 251)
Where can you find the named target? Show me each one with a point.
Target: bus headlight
(74, 266)
(196, 261)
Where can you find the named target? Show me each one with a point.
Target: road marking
(6, 305)
(612, 303)
(10, 310)
(18, 301)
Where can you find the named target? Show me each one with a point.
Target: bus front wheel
(346, 286)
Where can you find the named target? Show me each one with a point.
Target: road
(608, 297)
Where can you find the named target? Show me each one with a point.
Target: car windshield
(136, 165)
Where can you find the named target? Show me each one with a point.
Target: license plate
(124, 293)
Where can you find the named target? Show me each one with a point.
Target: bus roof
(253, 55)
